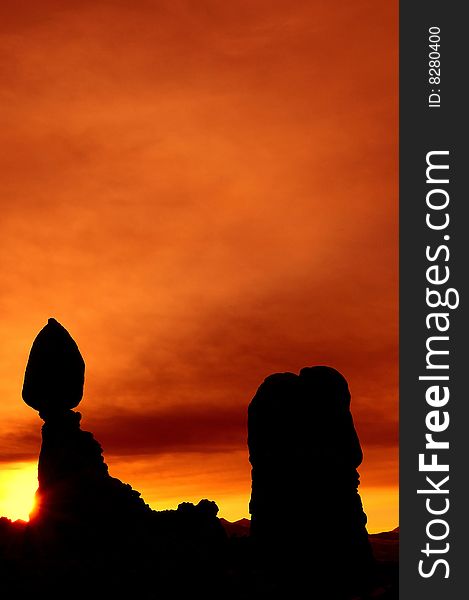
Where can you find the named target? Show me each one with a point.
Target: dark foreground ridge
(92, 535)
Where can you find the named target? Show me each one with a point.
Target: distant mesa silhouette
(304, 453)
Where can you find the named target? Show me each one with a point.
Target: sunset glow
(18, 484)
(203, 194)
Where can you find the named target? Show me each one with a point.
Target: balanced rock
(87, 518)
(55, 372)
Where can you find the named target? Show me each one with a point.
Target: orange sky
(202, 193)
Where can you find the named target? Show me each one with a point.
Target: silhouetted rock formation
(85, 516)
(304, 453)
(77, 497)
(93, 536)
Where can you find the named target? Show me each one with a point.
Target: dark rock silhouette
(92, 535)
(304, 453)
(84, 516)
(76, 494)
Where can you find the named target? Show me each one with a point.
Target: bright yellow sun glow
(18, 484)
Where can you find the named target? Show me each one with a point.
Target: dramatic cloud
(20, 445)
(187, 429)
(203, 194)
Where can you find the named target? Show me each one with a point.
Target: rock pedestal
(75, 490)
